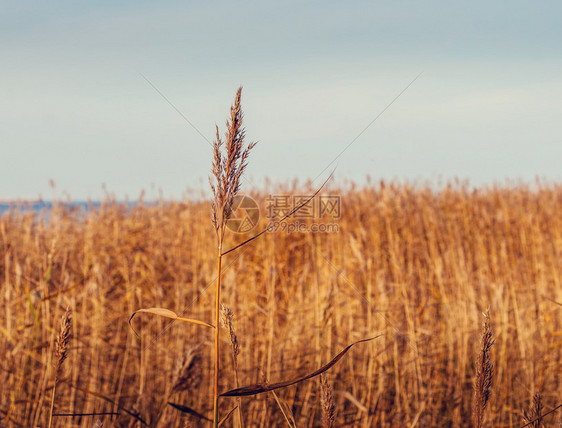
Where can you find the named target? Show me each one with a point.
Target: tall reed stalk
(63, 341)
(217, 341)
(229, 162)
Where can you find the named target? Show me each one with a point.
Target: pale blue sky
(75, 108)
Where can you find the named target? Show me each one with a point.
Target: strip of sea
(45, 208)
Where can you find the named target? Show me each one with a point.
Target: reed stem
(217, 331)
(52, 405)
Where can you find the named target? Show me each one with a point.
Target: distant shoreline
(40, 205)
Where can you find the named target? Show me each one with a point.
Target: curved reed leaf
(109, 400)
(259, 388)
(189, 411)
(163, 312)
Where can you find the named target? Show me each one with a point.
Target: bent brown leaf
(259, 388)
(109, 400)
(168, 314)
(189, 411)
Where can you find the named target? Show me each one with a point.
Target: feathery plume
(228, 167)
(61, 353)
(63, 340)
(533, 416)
(328, 403)
(484, 373)
(227, 322)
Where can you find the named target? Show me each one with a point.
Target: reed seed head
(228, 165)
(533, 416)
(63, 341)
(484, 373)
(328, 403)
(227, 321)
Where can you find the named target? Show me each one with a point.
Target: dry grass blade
(328, 403)
(227, 416)
(168, 314)
(353, 400)
(131, 413)
(484, 373)
(285, 411)
(262, 387)
(189, 411)
(87, 414)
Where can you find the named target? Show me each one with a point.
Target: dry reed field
(460, 290)
(418, 267)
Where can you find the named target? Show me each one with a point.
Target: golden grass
(416, 265)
